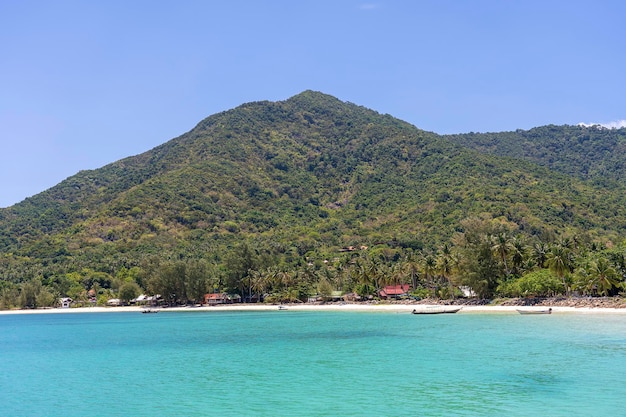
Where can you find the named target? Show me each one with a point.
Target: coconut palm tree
(376, 272)
(604, 276)
(540, 253)
(412, 267)
(259, 281)
(444, 266)
(518, 255)
(429, 268)
(502, 245)
(360, 274)
(271, 279)
(560, 261)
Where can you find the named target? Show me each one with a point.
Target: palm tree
(377, 274)
(518, 256)
(429, 267)
(388, 274)
(330, 275)
(271, 279)
(502, 246)
(360, 274)
(559, 261)
(540, 253)
(309, 275)
(259, 281)
(618, 260)
(412, 268)
(287, 279)
(604, 276)
(444, 267)
(582, 277)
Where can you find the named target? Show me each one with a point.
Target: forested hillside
(312, 195)
(586, 152)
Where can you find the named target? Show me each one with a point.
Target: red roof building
(395, 291)
(216, 298)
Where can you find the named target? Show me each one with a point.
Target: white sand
(382, 307)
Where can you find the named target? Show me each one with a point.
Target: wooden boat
(437, 310)
(548, 311)
(149, 310)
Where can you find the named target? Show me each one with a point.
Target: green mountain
(301, 180)
(586, 152)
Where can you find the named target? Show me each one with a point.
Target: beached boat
(548, 311)
(437, 310)
(282, 307)
(149, 310)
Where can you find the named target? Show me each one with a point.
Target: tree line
(489, 258)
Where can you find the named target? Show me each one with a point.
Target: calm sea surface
(284, 363)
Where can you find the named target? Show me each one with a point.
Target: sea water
(289, 363)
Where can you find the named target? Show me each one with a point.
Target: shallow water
(312, 364)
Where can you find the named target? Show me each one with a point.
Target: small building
(336, 295)
(140, 300)
(395, 291)
(217, 298)
(467, 291)
(66, 302)
(351, 296)
(114, 302)
(254, 298)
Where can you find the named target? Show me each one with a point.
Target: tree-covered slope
(300, 179)
(586, 152)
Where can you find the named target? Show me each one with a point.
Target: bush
(540, 283)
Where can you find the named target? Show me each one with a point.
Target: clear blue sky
(85, 83)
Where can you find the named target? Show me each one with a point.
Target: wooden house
(216, 298)
(395, 291)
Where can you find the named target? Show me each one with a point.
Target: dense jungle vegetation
(313, 195)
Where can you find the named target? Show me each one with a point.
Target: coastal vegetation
(311, 196)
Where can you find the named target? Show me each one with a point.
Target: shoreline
(347, 307)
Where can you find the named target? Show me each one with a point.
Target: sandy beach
(348, 307)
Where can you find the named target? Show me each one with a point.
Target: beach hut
(216, 298)
(142, 299)
(351, 296)
(66, 302)
(336, 295)
(395, 291)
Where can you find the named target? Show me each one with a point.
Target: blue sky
(85, 83)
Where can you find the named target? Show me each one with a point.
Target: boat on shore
(437, 310)
(546, 311)
(149, 310)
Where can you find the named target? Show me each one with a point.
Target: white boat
(548, 311)
(437, 310)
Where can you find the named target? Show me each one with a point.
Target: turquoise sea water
(287, 363)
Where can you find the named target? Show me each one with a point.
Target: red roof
(391, 290)
(215, 296)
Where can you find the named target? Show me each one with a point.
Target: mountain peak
(315, 100)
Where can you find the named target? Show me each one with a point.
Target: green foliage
(421, 293)
(539, 283)
(590, 153)
(33, 294)
(128, 291)
(324, 288)
(274, 197)
(597, 275)
(477, 258)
